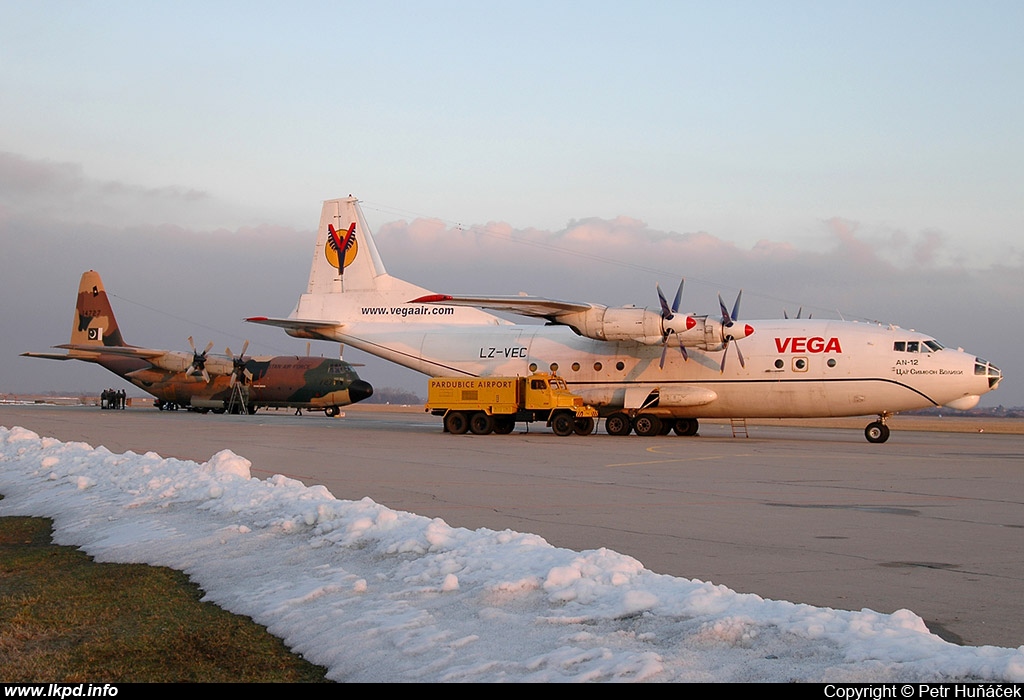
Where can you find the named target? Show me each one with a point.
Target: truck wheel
(563, 424)
(503, 425)
(618, 424)
(647, 425)
(584, 426)
(456, 423)
(481, 424)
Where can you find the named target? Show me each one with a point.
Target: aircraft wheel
(481, 424)
(877, 432)
(583, 426)
(456, 423)
(686, 426)
(667, 424)
(647, 425)
(563, 424)
(618, 424)
(503, 425)
(331, 411)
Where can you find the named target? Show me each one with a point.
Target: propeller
(667, 314)
(731, 331)
(239, 371)
(199, 360)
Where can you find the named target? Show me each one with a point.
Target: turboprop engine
(626, 323)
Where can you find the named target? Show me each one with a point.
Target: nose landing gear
(878, 431)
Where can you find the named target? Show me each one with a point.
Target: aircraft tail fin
(94, 322)
(346, 257)
(349, 284)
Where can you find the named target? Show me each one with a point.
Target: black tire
(456, 423)
(667, 424)
(618, 424)
(503, 425)
(332, 411)
(563, 424)
(481, 424)
(686, 426)
(583, 426)
(877, 432)
(647, 425)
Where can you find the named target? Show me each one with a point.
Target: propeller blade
(679, 297)
(728, 338)
(666, 313)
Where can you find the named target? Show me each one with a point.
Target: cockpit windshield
(929, 345)
(984, 368)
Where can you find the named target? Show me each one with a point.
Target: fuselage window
(620, 366)
(598, 366)
(899, 346)
(533, 366)
(575, 366)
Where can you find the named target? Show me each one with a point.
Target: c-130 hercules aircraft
(651, 371)
(199, 381)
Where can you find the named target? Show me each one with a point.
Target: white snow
(376, 594)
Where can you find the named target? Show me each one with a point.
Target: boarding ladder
(239, 401)
(739, 427)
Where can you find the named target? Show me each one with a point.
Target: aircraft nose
(359, 390)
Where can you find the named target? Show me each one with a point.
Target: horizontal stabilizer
(300, 328)
(48, 355)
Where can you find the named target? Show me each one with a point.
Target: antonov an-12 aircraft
(649, 371)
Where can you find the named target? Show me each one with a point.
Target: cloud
(44, 190)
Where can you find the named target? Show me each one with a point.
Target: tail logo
(341, 242)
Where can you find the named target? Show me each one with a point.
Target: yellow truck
(484, 405)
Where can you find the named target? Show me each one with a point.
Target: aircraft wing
(538, 307)
(142, 353)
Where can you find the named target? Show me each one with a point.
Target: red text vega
(807, 345)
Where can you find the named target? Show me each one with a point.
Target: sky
(378, 595)
(861, 159)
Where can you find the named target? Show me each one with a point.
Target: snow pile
(375, 594)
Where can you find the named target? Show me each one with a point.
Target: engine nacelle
(626, 323)
(180, 362)
(648, 327)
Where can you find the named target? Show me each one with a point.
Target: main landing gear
(648, 424)
(877, 431)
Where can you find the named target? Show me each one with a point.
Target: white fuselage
(793, 368)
